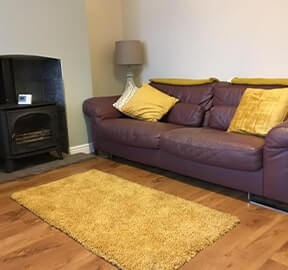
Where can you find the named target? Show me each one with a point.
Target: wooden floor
(26, 242)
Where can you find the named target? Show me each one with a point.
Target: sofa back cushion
(194, 101)
(186, 114)
(226, 98)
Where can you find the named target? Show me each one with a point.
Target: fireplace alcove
(31, 129)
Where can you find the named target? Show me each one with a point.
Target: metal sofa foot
(268, 203)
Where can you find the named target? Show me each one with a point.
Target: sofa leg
(249, 196)
(110, 156)
(103, 154)
(268, 203)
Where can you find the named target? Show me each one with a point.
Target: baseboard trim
(83, 148)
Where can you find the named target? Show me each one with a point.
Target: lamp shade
(128, 52)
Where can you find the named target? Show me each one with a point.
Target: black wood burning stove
(36, 128)
(27, 130)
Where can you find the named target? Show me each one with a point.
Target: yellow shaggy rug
(131, 226)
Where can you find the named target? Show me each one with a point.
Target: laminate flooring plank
(281, 255)
(272, 265)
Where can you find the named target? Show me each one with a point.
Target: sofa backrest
(226, 98)
(194, 101)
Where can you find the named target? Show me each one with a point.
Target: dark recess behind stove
(7, 87)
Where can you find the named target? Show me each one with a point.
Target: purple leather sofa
(192, 140)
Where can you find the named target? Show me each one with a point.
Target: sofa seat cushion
(215, 147)
(134, 132)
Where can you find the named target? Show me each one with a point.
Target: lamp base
(129, 80)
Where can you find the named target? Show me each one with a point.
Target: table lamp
(129, 53)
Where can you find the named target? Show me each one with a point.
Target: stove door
(32, 129)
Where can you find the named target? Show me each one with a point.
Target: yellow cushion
(183, 81)
(260, 81)
(259, 111)
(148, 104)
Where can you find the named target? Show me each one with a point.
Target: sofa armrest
(101, 107)
(278, 136)
(276, 163)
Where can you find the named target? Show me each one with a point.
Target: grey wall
(223, 38)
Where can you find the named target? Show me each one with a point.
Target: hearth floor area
(27, 162)
(41, 163)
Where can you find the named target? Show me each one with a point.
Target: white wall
(105, 24)
(55, 28)
(222, 38)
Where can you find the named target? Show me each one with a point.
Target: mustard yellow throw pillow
(148, 104)
(260, 81)
(259, 111)
(175, 81)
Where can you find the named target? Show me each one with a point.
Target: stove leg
(9, 165)
(59, 154)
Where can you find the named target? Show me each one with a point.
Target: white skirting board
(83, 148)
